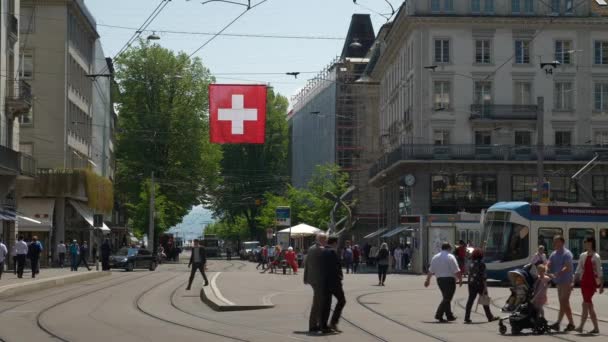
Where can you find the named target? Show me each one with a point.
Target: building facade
(464, 88)
(333, 122)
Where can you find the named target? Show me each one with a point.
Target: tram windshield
(504, 240)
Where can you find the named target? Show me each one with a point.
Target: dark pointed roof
(361, 30)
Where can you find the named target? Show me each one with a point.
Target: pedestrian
(356, 258)
(589, 272)
(94, 252)
(542, 283)
(3, 254)
(407, 257)
(61, 250)
(332, 277)
(106, 250)
(33, 253)
(347, 256)
(383, 262)
(560, 267)
(276, 259)
(312, 277)
(74, 252)
(398, 255)
(262, 257)
(445, 268)
(539, 257)
(198, 262)
(271, 255)
(228, 253)
(84, 251)
(461, 255)
(478, 286)
(21, 249)
(290, 257)
(14, 255)
(373, 254)
(366, 250)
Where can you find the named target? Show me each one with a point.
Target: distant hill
(193, 223)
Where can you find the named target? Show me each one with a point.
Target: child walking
(540, 289)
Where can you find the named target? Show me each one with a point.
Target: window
(576, 240)
(562, 48)
(600, 138)
(555, 6)
(515, 6)
(600, 98)
(488, 7)
(442, 51)
(562, 189)
(475, 6)
(522, 188)
(27, 148)
(563, 96)
(441, 137)
(529, 6)
(599, 188)
(483, 138)
(601, 52)
(523, 138)
(483, 92)
(522, 51)
(28, 118)
(506, 241)
(545, 238)
(603, 246)
(26, 67)
(523, 93)
(453, 192)
(569, 6)
(448, 6)
(483, 51)
(435, 5)
(26, 20)
(441, 94)
(563, 138)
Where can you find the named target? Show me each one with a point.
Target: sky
(238, 57)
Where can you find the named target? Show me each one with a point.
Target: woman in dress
(383, 261)
(477, 285)
(589, 272)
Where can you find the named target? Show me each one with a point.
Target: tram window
(603, 244)
(545, 238)
(519, 243)
(576, 238)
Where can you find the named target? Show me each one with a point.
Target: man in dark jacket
(198, 260)
(312, 277)
(33, 253)
(332, 279)
(106, 250)
(84, 251)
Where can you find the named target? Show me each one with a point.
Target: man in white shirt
(21, 249)
(3, 254)
(444, 266)
(61, 250)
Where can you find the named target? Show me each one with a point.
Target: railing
(9, 159)
(503, 112)
(27, 165)
(581, 153)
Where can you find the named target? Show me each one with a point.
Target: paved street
(154, 306)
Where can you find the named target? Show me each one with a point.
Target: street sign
(97, 220)
(283, 216)
(269, 233)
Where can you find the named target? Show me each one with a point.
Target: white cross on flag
(237, 113)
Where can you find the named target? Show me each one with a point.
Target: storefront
(36, 219)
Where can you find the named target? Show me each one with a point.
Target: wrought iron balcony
(503, 112)
(9, 161)
(18, 97)
(496, 153)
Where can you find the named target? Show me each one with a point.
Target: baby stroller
(524, 315)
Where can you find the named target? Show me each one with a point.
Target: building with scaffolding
(334, 121)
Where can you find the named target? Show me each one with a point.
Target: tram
(512, 232)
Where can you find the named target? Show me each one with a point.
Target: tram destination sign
(568, 211)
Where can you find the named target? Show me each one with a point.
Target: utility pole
(151, 219)
(540, 145)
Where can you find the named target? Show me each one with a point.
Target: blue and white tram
(512, 232)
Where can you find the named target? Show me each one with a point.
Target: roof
(361, 30)
(599, 10)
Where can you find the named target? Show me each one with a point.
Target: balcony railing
(27, 165)
(9, 160)
(18, 97)
(582, 153)
(503, 112)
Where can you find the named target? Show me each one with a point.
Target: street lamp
(153, 36)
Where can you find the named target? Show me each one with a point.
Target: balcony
(9, 161)
(18, 97)
(503, 112)
(13, 28)
(483, 153)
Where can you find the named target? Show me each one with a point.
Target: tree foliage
(163, 128)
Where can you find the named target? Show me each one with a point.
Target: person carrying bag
(478, 287)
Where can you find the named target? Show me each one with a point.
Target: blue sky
(243, 55)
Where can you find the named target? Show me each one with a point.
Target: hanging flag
(237, 113)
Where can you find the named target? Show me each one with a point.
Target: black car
(132, 258)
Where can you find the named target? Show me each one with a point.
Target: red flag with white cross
(237, 113)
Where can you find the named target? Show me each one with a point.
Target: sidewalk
(600, 302)
(8, 278)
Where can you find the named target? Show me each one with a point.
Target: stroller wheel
(502, 329)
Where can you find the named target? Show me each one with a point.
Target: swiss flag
(237, 113)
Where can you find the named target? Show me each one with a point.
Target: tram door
(472, 235)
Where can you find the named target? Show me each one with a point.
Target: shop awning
(396, 231)
(8, 214)
(87, 215)
(375, 234)
(36, 214)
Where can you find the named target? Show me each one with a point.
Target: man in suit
(33, 253)
(198, 260)
(312, 277)
(332, 279)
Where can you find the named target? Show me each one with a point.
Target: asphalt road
(154, 306)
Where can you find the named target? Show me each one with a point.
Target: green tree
(233, 231)
(163, 128)
(248, 172)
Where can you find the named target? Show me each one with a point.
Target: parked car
(134, 258)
